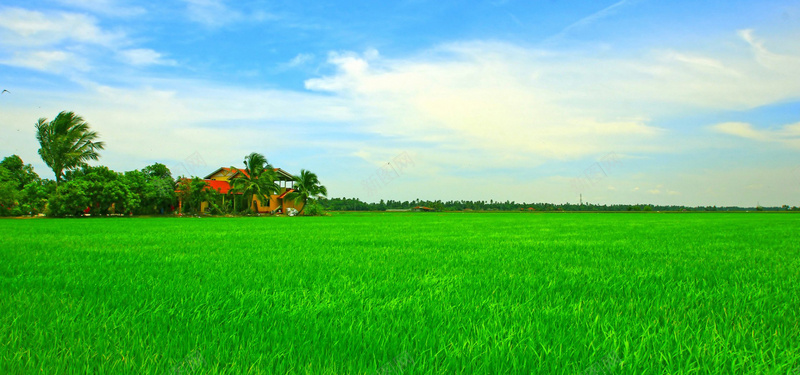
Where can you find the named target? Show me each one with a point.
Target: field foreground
(403, 293)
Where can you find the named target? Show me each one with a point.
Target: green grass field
(504, 293)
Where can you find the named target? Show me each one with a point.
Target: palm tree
(306, 187)
(66, 142)
(257, 179)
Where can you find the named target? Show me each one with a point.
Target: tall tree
(307, 186)
(257, 179)
(66, 143)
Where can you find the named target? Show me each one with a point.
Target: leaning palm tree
(306, 187)
(66, 143)
(257, 179)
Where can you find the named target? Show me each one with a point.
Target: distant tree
(307, 187)
(66, 143)
(256, 180)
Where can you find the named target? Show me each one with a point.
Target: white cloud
(300, 59)
(705, 64)
(143, 56)
(788, 134)
(212, 13)
(740, 129)
(54, 61)
(505, 100)
(105, 7)
(66, 43)
(216, 13)
(779, 64)
(22, 27)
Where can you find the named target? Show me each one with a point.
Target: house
(219, 180)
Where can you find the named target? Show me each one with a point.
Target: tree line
(355, 204)
(67, 144)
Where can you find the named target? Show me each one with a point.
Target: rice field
(403, 293)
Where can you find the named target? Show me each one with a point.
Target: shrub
(313, 209)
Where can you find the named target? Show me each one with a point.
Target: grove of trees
(67, 143)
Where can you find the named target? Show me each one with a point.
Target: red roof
(220, 186)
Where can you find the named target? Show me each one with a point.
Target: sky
(612, 102)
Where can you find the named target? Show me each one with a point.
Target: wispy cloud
(144, 56)
(22, 27)
(105, 7)
(300, 59)
(49, 61)
(217, 13)
(211, 13)
(61, 42)
(766, 57)
(787, 134)
(587, 21)
(702, 63)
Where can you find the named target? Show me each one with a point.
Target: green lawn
(403, 293)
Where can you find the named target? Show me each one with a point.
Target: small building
(219, 180)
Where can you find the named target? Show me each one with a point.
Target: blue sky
(678, 102)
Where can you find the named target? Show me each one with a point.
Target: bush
(313, 209)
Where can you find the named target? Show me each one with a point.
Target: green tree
(70, 198)
(157, 170)
(153, 186)
(66, 143)
(21, 173)
(97, 188)
(35, 195)
(14, 177)
(9, 194)
(307, 187)
(256, 180)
